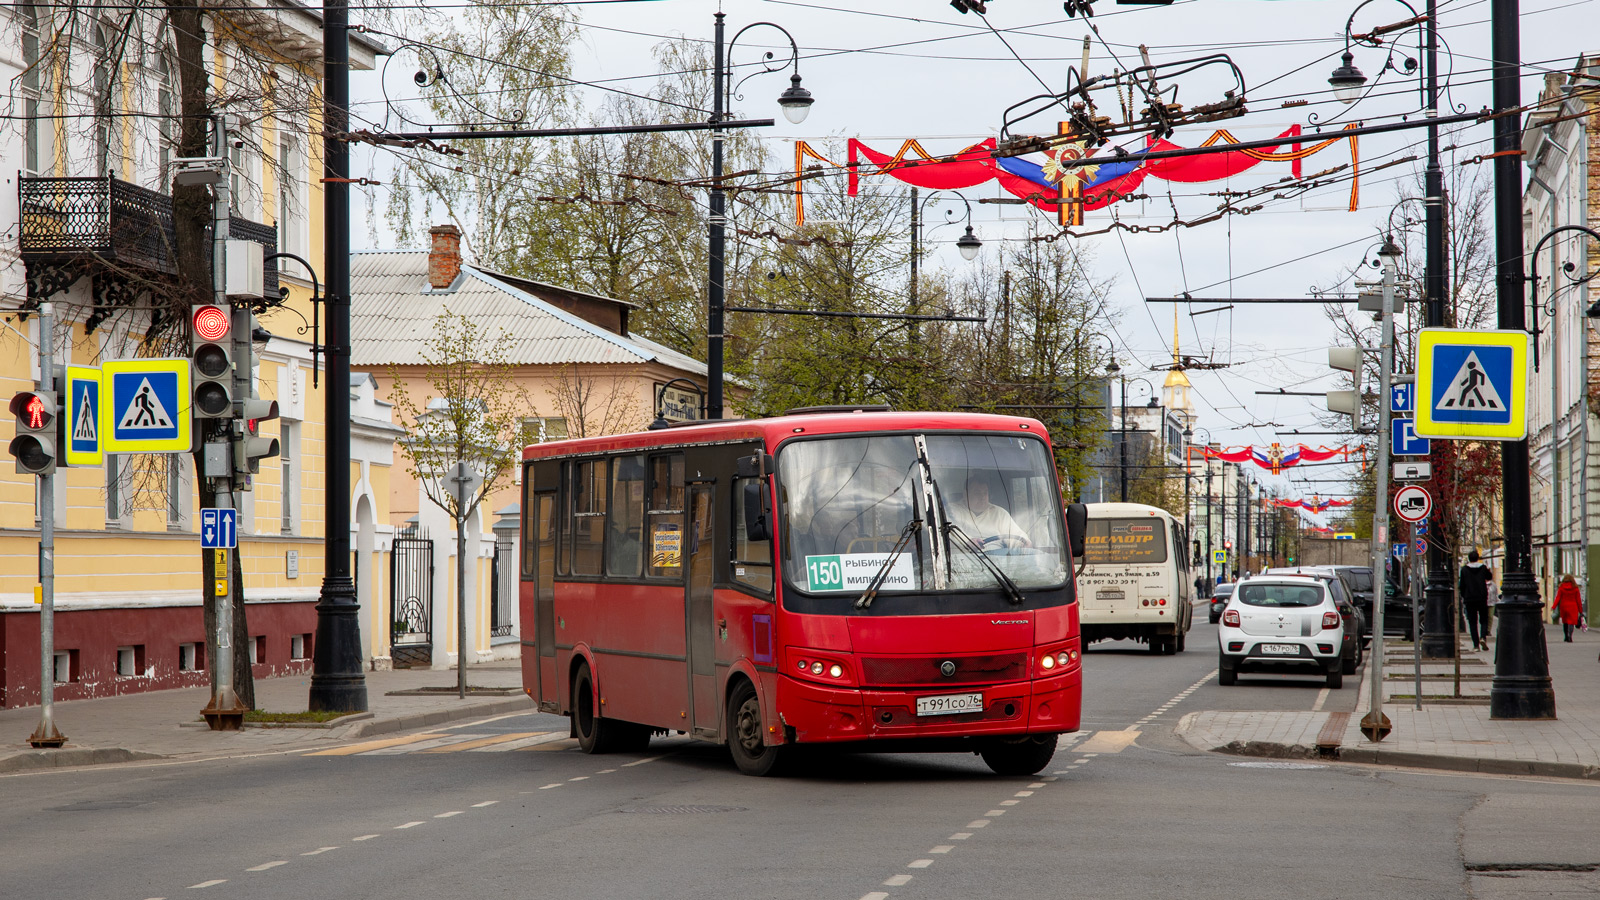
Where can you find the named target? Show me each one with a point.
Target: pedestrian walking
(1568, 606)
(1474, 583)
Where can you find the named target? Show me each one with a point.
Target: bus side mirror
(1077, 527)
(757, 520)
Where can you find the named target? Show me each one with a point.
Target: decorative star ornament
(1055, 173)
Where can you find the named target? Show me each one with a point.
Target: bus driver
(985, 523)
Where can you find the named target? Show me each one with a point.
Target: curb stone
(1404, 759)
(435, 717)
(32, 760)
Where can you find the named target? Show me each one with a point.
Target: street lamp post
(796, 102)
(1521, 688)
(661, 413)
(1122, 428)
(1438, 639)
(968, 244)
(336, 680)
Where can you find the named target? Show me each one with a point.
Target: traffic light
(1227, 545)
(211, 356)
(251, 447)
(1347, 402)
(38, 426)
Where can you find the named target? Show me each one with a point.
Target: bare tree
(471, 416)
(594, 407)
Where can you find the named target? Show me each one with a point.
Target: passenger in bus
(987, 524)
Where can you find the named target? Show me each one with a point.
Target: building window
(104, 83)
(166, 124)
(191, 657)
(176, 505)
(32, 137)
(114, 501)
(288, 459)
(291, 206)
(545, 428)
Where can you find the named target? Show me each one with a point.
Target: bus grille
(925, 670)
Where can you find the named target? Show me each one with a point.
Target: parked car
(1396, 606)
(1282, 622)
(1355, 624)
(1219, 599)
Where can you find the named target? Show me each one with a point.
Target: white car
(1284, 622)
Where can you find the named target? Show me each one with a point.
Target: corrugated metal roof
(393, 311)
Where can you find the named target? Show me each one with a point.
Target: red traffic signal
(34, 447)
(1227, 545)
(211, 323)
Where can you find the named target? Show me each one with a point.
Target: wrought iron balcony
(75, 220)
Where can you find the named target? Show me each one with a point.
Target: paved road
(507, 808)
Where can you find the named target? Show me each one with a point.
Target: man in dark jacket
(1474, 583)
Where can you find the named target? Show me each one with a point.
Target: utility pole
(225, 712)
(337, 683)
(717, 219)
(1438, 636)
(46, 735)
(1210, 529)
(1521, 688)
(1375, 725)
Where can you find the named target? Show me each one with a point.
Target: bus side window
(529, 556)
(564, 529)
(752, 560)
(625, 554)
(588, 516)
(666, 545)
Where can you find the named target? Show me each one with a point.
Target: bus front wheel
(1020, 757)
(750, 752)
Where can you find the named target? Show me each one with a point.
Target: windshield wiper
(1013, 592)
(906, 534)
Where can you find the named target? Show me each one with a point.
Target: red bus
(870, 579)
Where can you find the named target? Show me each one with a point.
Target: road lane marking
(446, 815)
(919, 864)
(539, 737)
(364, 837)
(375, 745)
(437, 741)
(409, 825)
(876, 895)
(271, 865)
(1024, 793)
(485, 721)
(640, 762)
(978, 823)
(960, 835)
(995, 813)
(1322, 697)
(942, 848)
(605, 771)
(1009, 802)
(564, 743)
(212, 883)
(319, 851)
(549, 786)
(484, 742)
(579, 778)
(898, 880)
(484, 803)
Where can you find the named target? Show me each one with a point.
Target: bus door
(544, 603)
(701, 630)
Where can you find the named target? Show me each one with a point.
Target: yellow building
(94, 219)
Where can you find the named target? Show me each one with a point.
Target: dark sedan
(1219, 599)
(1396, 606)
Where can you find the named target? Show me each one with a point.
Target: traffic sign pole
(1375, 725)
(46, 734)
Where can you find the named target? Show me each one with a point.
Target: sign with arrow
(219, 529)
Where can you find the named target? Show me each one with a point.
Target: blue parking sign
(1405, 441)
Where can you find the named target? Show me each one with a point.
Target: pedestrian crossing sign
(82, 393)
(1472, 384)
(146, 406)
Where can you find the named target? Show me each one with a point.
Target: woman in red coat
(1568, 606)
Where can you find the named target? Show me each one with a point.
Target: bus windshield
(950, 502)
(1125, 542)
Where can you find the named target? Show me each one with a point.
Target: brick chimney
(444, 259)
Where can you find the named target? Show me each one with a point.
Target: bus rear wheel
(1020, 757)
(597, 734)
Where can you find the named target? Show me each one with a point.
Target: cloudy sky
(884, 71)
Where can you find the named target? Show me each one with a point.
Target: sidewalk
(1444, 734)
(167, 724)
